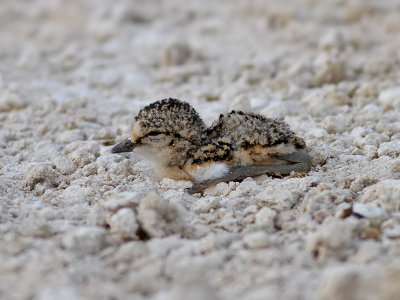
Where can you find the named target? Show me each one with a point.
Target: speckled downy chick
(250, 145)
(238, 145)
(167, 132)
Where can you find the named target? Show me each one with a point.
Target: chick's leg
(298, 161)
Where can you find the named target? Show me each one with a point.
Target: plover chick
(171, 134)
(251, 145)
(167, 132)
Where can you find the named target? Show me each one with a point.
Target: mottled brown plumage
(169, 116)
(238, 145)
(167, 132)
(247, 139)
(249, 129)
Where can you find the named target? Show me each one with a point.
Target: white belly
(211, 171)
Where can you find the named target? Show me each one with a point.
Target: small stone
(159, 218)
(83, 153)
(246, 187)
(43, 175)
(176, 54)
(390, 97)
(334, 124)
(366, 90)
(122, 200)
(64, 165)
(257, 240)
(60, 292)
(76, 194)
(124, 223)
(332, 40)
(265, 218)
(391, 149)
(161, 247)
(108, 80)
(44, 151)
(138, 283)
(36, 227)
(332, 240)
(386, 194)
(328, 69)
(85, 240)
(194, 288)
(205, 204)
(104, 134)
(97, 217)
(368, 251)
(359, 133)
(90, 169)
(370, 151)
(340, 283)
(229, 224)
(87, 116)
(369, 211)
(70, 136)
(123, 168)
(391, 227)
(393, 232)
(10, 102)
(317, 133)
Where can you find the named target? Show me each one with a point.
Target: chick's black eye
(154, 133)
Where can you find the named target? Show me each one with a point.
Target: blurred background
(242, 54)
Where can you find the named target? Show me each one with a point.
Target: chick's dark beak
(124, 146)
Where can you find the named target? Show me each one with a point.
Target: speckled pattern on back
(214, 151)
(230, 132)
(248, 129)
(171, 116)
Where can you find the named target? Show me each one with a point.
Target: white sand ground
(77, 222)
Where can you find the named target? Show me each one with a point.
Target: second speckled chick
(251, 145)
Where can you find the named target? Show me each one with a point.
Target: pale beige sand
(77, 222)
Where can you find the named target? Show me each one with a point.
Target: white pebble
(43, 175)
(386, 194)
(85, 239)
(358, 133)
(176, 54)
(391, 149)
(64, 165)
(370, 211)
(393, 232)
(124, 223)
(316, 133)
(258, 239)
(265, 218)
(70, 136)
(36, 227)
(10, 102)
(331, 40)
(121, 200)
(334, 124)
(390, 97)
(159, 218)
(205, 204)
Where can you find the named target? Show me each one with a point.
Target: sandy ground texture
(77, 222)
